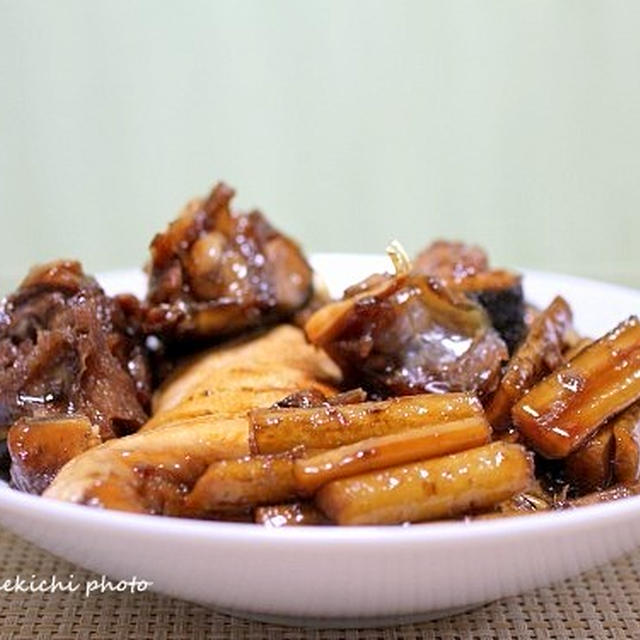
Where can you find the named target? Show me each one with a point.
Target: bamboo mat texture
(603, 603)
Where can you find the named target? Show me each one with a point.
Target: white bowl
(335, 576)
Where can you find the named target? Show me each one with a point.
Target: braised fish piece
(540, 353)
(215, 272)
(255, 371)
(559, 413)
(466, 268)
(500, 293)
(408, 334)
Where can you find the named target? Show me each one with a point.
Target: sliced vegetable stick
(563, 410)
(540, 353)
(576, 348)
(286, 515)
(241, 483)
(326, 427)
(626, 433)
(429, 490)
(387, 451)
(589, 468)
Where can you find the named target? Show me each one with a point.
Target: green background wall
(515, 124)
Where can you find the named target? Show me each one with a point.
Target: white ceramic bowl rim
(461, 530)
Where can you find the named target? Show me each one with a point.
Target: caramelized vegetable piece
(626, 433)
(215, 272)
(563, 410)
(444, 487)
(39, 448)
(287, 515)
(409, 334)
(387, 451)
(540, 353)
(326, 427)
(243, 483)
(590, 467)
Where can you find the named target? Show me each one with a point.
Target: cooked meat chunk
(409, 334)
(215, 272)
(65, 347)
(465, 268)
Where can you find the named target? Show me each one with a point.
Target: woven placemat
(604, 603)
